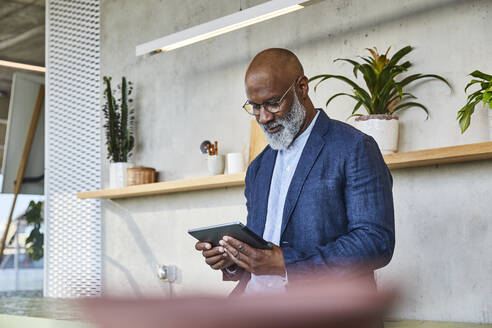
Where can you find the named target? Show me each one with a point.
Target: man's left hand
(256, 261)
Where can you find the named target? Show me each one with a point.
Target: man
(320, 192)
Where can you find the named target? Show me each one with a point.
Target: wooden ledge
(212, 182)
(445, 155)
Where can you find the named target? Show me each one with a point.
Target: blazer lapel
(262, 190)
(308, 157)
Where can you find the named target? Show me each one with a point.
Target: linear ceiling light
(221, 25)
(22, 66)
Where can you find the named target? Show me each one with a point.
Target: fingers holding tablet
(214, 257)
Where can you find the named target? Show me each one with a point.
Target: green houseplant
(120, 140)
(35, 241)
(483, 94)
(382, 94)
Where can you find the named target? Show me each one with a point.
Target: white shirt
(285, 166)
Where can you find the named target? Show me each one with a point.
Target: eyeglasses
(272, 107)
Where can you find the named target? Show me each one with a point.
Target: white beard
(291, 123)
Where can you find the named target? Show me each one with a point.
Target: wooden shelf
(445, 155)
(212, 182)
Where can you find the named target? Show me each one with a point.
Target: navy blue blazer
(339, 206)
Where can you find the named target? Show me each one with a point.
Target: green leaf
(416, 77)
(481, 75)
(472, 83)
(399, 55)
(357, 106)
(465, 122)
(487, 96)
(340, 94)
(353, 62)
(358, 90)
(412, 104)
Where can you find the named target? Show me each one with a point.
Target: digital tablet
(237, 230)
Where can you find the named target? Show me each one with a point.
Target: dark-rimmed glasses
(272, 107)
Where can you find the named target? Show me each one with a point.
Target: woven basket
(139, 175)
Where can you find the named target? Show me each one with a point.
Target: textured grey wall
(190, 94)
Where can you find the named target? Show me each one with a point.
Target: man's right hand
(216, 257)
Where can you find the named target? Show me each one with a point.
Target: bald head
(275, 76)
(280, 65)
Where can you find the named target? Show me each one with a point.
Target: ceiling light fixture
(243, 18)
(22, 66)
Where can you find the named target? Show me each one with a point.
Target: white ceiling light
(22, 66)
(221, 25)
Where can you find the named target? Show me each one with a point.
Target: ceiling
(22, 26)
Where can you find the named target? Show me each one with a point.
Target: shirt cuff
(232, 269)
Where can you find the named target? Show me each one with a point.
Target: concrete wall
(442, 257)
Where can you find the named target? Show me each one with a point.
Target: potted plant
(483, 94)
(120, 141)
(383, 95)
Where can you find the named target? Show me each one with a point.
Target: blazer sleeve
(370, 237)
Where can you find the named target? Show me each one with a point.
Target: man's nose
(264, 116)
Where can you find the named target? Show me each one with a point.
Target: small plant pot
(117, 174)
(215, 164)
(383, 128)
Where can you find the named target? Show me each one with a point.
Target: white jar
(235, 163)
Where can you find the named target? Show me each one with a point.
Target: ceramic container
(215, 164)
(383, 128)
(117, 174)
(235, 163)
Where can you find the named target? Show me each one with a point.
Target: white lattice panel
(73, 163)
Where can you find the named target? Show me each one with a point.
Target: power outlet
(167, 272)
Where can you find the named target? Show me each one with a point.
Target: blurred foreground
(327, 302)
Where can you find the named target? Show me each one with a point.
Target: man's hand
(257, 261)
(216, 257)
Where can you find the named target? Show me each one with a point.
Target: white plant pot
(117, 174)
(489, 111)
(383, 128)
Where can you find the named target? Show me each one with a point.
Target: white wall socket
(167, 272)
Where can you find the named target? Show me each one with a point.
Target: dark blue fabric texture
(339, 207)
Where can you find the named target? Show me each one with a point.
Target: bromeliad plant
(484, 94)
(119, 117)
(384, 93)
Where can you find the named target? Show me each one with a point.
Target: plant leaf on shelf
(382, 91)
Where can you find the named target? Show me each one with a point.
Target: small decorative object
(204, 146)
(235, 163)
(119, 117)
(215, 162)
(483, 94)
(384, 95)
(139, 175)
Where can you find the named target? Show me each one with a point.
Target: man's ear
(303, 87)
